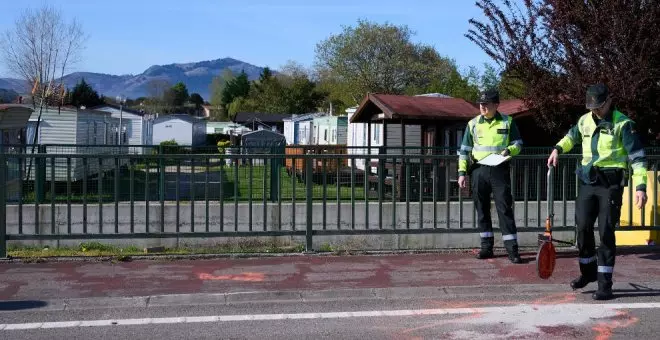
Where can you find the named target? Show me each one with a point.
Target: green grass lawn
(238, 183)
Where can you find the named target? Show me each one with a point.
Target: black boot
(581, 282)
(485, 254)
(486, 251)
(512, 249)
(604, 291)
(588, 275)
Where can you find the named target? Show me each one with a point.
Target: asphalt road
(548, 312)
(432, 296)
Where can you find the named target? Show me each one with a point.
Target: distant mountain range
(197, 77)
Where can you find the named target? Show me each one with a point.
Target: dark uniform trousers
(495, 180)
(602, 201)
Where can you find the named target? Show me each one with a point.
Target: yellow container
(640, 237)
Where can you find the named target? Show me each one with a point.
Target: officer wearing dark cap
(609, 142)
(491, 133)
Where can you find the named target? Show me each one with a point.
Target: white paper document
(494, 160)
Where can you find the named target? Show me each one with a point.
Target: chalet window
(376, 133)
(325, 135)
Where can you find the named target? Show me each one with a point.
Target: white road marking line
(494, 311)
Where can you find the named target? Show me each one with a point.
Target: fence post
(310, 206)
(40, 175)
(3, 205)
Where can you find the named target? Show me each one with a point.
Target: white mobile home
(330, 130)
(182, 128)
(298, 129)
(137, 126)
(73, 131)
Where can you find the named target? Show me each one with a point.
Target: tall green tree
(180, 94)
(371, 58)
(237, 87)
(218, 84)
(382, 58)
(196, 99)
(84, 95)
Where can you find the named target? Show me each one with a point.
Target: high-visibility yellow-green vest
(483, 137)
(612, 143)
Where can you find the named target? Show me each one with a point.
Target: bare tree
(39, 46)
(555, 48)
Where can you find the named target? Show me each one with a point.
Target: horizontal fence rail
(55, 195)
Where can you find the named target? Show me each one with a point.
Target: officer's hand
(552, 160)
(461, 182)
(505, 153)
(640, 199)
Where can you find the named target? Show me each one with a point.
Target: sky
(126, 37)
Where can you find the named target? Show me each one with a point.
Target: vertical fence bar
(146, 193)
(264, 195)
(236, 194)
(192, 195)
(177, 194)
(539, 174)
(68, 195)
(116, 195)
(564, 186)
(222, 195)
(394, 183)
(100, 192)
(21, 161)
(338, 194)
(435, 194)
(206, 192)
(310, 207)
(353, 192)
(513, 191)
(250, 180)
(447, 192)
(367, 172)
(161, 192)
(655, 193)
(421, 193)
(84, 194)
(131, 189)
(407, 167)
(325, 190)
(38, 188)
(52, 195)
(526, 194)
(3, 204)
(294, 179)
(381, 179)
(279, 192)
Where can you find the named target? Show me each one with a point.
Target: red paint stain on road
(621, 320)
(556, 299)
(246, 277)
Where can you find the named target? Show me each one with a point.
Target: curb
(534, 291)
(525, 251)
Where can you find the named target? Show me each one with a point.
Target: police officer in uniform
(609, 141)
(488, 133)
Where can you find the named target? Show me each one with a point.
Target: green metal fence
(105, 195)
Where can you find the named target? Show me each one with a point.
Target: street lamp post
(121, 99)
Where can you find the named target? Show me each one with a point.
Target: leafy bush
(222, 145)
